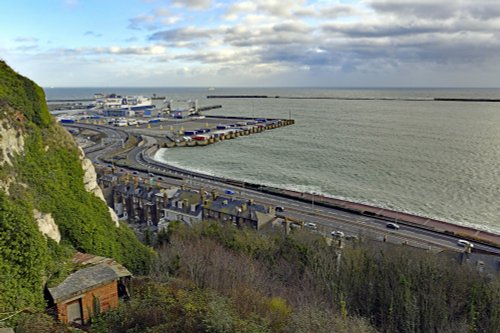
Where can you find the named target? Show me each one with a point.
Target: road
(327, 219)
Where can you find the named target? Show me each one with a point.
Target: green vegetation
(48, 176)
(23, 95)
(23, 258)
(55, 177)
(276, 283)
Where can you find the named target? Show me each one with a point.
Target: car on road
(464, 243)
(392, 226)
(311, 225)
(280, 209)
(135, 172)
(337, 234)
(229, 192)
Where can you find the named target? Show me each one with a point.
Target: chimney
(244, 207)
(214, 195)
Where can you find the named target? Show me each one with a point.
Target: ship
(117, 102)
(116, 105)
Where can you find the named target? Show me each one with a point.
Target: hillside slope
(46, 211)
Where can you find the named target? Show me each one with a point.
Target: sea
(392, 148)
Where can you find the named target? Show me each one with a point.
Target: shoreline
(447, 227)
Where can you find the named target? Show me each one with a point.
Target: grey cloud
(143, 21)
(274, 8)
(337, 11)
(242, 37)
(382, 29)
(161, 12)
(418, 8)
(478, 9)
(26, 39)
(295, 27)
(195, 4)
(218, 57)
(297, 56)
(131, 39)
(92, 33)
(27, 48)
(305, 12)
(113, 50)
(156, 18)
(182, 34)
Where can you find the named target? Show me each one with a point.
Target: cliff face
(50, 204)
(90, 182)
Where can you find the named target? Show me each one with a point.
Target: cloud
(338, 11)
(182, 34)
(193, 4)
(143, 21)
(270, 8)
(478, 9)
(324, 37)
(293, 27)
(26, 39)
(234, 11)
(226, 57)
(93, 34)
(382, 29)
(155, 19)
(151, 50)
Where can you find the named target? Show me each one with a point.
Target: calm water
(437, 159)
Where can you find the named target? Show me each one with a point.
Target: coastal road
(327, 219)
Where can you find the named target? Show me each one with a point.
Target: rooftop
(96, 271)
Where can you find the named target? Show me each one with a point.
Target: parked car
(280, 209)
(337, 234)
(464, 243)
(392, 226)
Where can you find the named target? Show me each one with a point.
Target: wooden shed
(95, 287)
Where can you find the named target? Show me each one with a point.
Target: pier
(220, 129)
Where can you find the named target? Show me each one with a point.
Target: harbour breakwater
(435, 99)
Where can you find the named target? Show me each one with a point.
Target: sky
(261, 43)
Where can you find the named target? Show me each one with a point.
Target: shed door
(74, 310)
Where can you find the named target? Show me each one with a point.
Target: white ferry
(117, 102)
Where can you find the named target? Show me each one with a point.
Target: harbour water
(394, 148)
